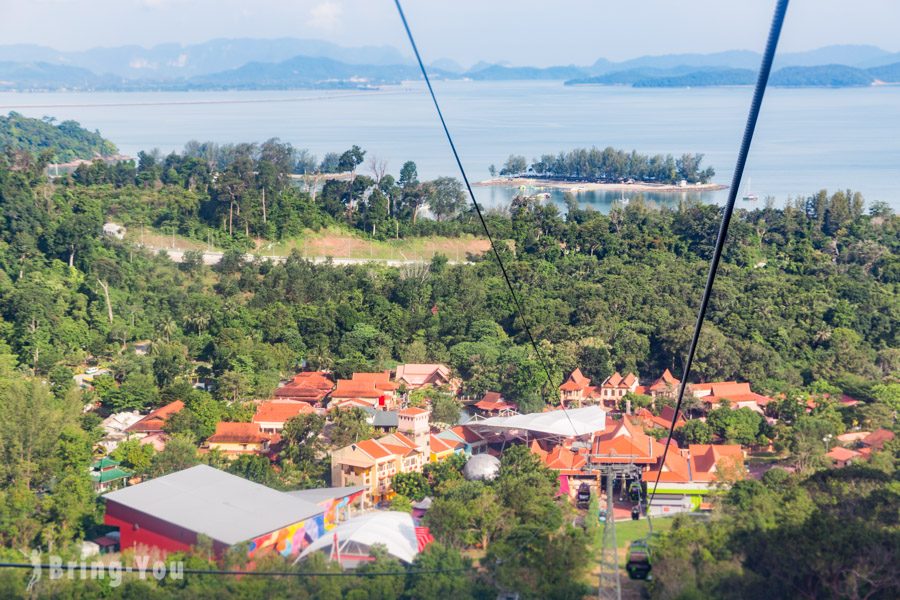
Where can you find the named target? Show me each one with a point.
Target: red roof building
(877, 439)
(648, 420)
(842, 457)
(562, 459)
(493, 405)
(372, 389)
(738, 395)
(687, 476)
(311, 387)
(234, 439)
(666, 385)
(576, 390)
(615, 387)
(416, 376)
(271, 416)
(154, 421)
(622, 443)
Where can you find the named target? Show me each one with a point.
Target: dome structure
(483, 467)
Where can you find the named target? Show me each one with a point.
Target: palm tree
(169, 328)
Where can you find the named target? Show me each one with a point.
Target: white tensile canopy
(574, 422)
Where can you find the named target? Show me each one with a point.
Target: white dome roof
(481, 466)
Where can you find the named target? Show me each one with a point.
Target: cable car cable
(758, 93)
(519, 306)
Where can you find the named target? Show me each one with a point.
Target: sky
(516, 31)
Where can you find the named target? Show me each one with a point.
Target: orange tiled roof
(842, 454)
(374, 449)
(437, 445)
(466, 434)
(576, 381)
(311, 386)
(279, 412)
(412, 411)
(487, 405)
(237, 433)
(665, 381)
(155, 420)
(877, 438)
(624, 442)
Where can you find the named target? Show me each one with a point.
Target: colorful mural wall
(290, 540)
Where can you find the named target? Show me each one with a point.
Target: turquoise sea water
(807, 139)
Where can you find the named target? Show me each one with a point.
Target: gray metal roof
(382, 418)
(225, 507)
(322, 494)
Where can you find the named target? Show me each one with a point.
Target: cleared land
(342, 245)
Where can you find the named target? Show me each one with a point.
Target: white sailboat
(749, 196)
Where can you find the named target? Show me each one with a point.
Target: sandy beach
(576, 187)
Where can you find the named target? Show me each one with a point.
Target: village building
(737, 395)
(384, 421)
(372, 465)
(576, 390)
(566, 461)
(414, 423)
(492, 404)
(271, 416)
(464, 438)
(666, 385)
(441, 448)
(417, 376)
(688, 476)
(107, 474)
(623, 442)
(664, 421)
(843, 457)
(235, 439)
(614, 388)
(311, 387)
(172, 512)
(364, 389)
(155, 420)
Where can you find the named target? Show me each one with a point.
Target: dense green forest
(611, 165)
(62, 142)
(806, 302)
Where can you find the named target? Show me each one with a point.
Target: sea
(806, 139)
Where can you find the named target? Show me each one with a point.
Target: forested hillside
(806, 300)
(61, 142)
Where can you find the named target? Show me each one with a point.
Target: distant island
(815, 76)
(288, 63)
(585, 169)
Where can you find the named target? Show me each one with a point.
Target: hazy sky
(539, 32)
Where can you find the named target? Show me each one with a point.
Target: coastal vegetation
(62, 142)
(611, 165)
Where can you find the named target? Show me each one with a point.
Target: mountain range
(289, 63)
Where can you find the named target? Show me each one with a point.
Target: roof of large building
(700, 464)
(624, 442)
(617, 381)
(574, 422)
(279, 412)
(317, 495)
(155, 420)
(364, 385)
(310, 386)
(560, 458)
(237, 433)
(396, 531)
(415, 374)
(205, 500)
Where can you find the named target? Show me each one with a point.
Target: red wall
(140, 529)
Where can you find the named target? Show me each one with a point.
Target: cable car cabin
(636, 512)
(638, 565)
(583, 498)
(635, 492)
(601, 516)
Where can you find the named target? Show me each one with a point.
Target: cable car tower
(610, 587)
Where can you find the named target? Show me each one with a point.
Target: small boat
(749, 196)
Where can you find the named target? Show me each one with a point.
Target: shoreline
(576, 187)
